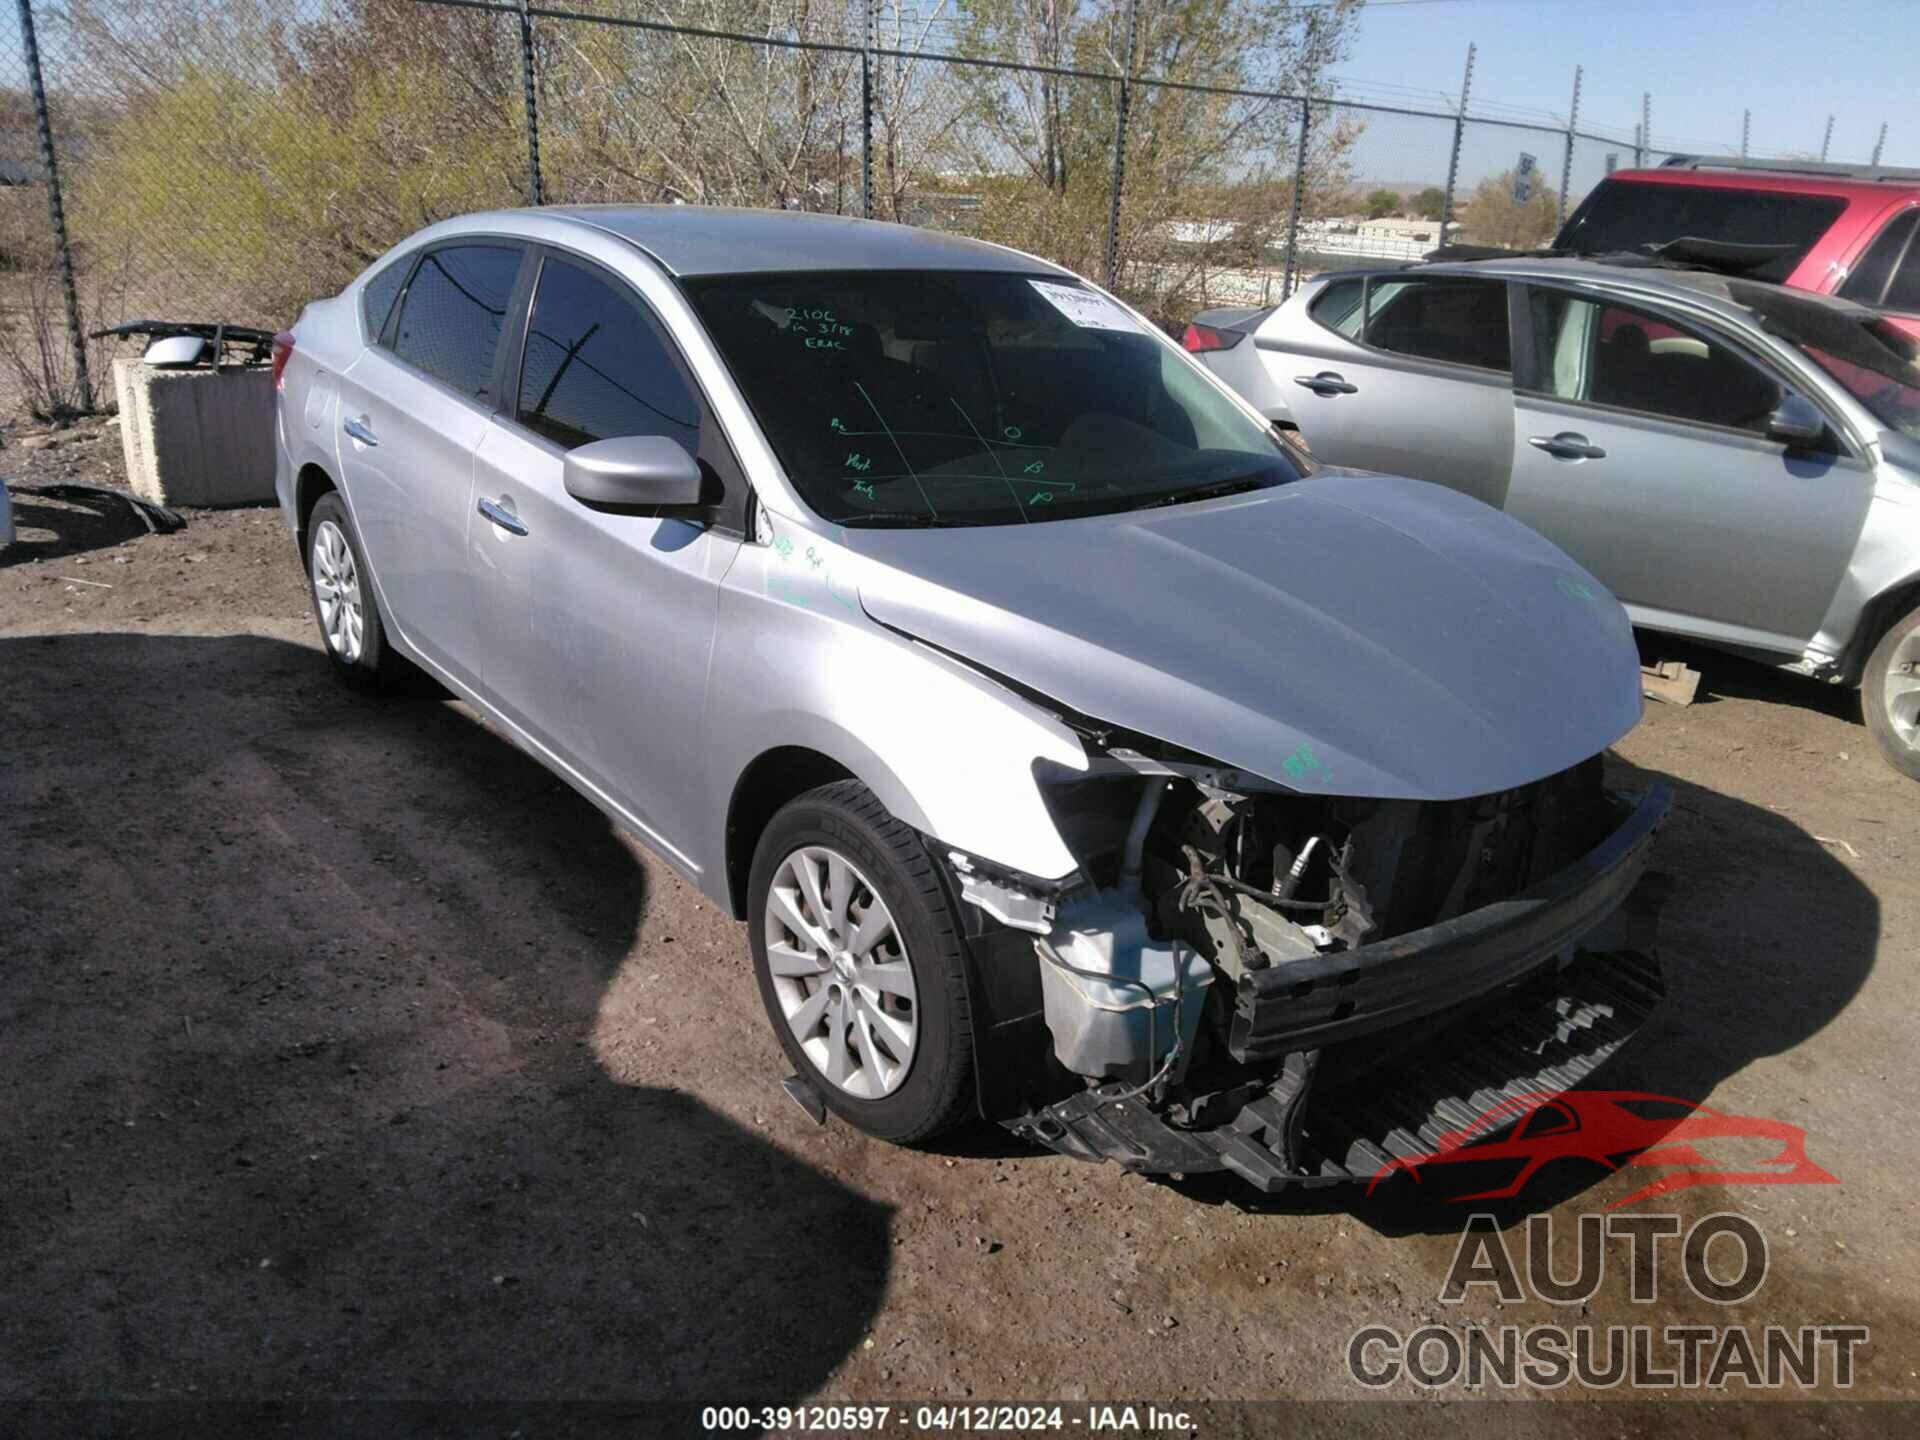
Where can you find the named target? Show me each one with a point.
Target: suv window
(1463, 322)
(1631, 215)
(597, 366)
(1606, 354)
(450, 318)
(1868, 281)
(1338, 307)
(379, 293)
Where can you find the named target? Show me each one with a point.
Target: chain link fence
(228, 160)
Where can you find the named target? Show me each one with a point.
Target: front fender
(946, 749)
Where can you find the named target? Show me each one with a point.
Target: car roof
(1771, 182)
(1729, 294)
(693, 240)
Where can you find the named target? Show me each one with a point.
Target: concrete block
(197, 437)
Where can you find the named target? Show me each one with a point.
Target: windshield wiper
(1207, 492)
(891, 519)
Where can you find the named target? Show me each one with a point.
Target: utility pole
(1299, 194)
(1566, 166)
(866, 109)
(1120, 143)
(1459, 135)
(535, 191)
(57, 213)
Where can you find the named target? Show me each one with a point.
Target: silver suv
(1740, 463)
(1073, 758)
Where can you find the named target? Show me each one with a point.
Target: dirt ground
(348, 1056)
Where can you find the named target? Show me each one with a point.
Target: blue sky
(1704, 61)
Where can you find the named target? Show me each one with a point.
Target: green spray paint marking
(1303, 763)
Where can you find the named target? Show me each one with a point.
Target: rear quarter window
(379, 293)
(1338, 307)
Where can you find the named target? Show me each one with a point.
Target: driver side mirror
(634, 472)
(1796, 422)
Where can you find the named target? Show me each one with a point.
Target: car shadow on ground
(1763, 938)
(55, 527)
(300, 989)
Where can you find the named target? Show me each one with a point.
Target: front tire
(1890, 695)
(859, 958)
(343, 605)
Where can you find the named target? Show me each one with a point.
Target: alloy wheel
(336, 591)
(1902, 691)
(840, 971)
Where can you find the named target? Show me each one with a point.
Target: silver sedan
(1064, 742)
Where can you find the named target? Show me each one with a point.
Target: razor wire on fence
(228, 160)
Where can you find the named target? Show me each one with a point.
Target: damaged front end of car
(1297, 987)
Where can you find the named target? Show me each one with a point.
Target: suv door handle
(503, 517)
(1327, 382)
(359, 429)
(1567, 445)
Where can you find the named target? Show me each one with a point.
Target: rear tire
(340, 587)
(859, 957)
(1890, 695)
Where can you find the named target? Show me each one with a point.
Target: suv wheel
(858, 955)
(1890, 695)
(343, 601)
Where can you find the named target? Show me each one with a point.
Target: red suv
(1833, 229)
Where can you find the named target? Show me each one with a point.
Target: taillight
(282, 352)
(1202, 338)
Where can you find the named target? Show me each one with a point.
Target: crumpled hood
(1352, 634)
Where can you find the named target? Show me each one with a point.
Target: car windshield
(1873, 360)
(960, 398)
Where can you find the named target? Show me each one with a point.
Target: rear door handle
(1327, 382)
(360, 430)
(1567, 446)
(503, 517)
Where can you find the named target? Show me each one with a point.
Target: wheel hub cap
(1902, 697)
(336, 591)
(840, 972)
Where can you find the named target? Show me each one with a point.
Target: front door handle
(503, 517)
(1567, 445)
(359, 429)
(1327, 382)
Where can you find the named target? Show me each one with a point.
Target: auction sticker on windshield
(1088, 309)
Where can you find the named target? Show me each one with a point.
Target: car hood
(1354, 634)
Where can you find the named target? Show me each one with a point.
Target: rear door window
(451, 316)
(1632, 215)
(1596, 352)
(1458, 321)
